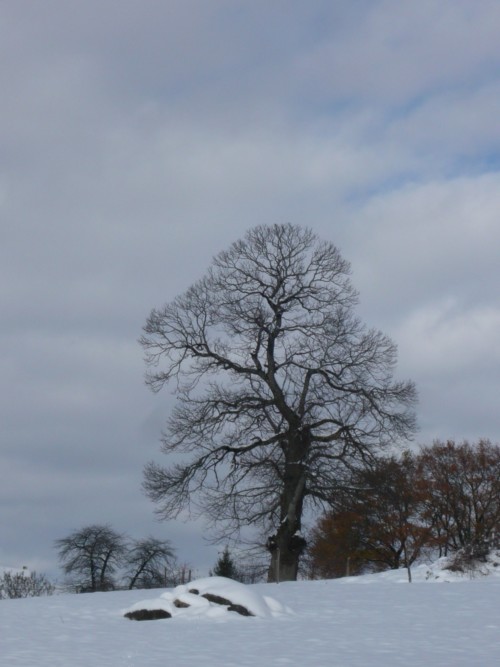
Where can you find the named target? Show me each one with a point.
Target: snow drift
(212, 597)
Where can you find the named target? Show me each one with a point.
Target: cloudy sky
(139, 138)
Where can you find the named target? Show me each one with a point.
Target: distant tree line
(98, 558)
(442, 501)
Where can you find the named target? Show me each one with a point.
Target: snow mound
(211, 597)
(441, 570)
(452, 568)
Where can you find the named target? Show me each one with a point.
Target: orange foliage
(443, 499)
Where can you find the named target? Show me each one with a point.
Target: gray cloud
(138, 139)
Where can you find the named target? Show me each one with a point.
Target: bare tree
(280, 387)
(91, 555)
(24, 584)
(149, 563)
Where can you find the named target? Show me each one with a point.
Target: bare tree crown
(279, 384)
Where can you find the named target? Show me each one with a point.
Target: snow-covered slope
(437, 572)
(341, 623)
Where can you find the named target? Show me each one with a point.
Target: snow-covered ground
(440, 620)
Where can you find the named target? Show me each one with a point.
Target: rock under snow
(212, 597)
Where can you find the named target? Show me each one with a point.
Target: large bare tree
(279, 387)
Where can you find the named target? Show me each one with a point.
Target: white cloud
(452, 127)
(426, 242)
(392, 53)
(444, 339)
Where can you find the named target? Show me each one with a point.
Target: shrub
(24, 585)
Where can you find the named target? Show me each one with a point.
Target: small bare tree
(90, 556)
(280, 388)
(150, 563)
(24, 584)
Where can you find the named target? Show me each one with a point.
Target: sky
(139, 139)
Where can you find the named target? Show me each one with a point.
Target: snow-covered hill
(441, 619)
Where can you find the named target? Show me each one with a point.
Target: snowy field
(440, 620)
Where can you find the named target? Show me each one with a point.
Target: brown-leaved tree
(461, 482)
(377, 522)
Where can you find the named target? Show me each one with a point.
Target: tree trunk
(286, 550)
(287, 545)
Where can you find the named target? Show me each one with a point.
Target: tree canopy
(91, 555)
(149, 563)
(280, 388)
(443, 500)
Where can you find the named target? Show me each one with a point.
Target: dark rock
(217, 599)
(194, 591)
(180, 604)
(147, 614)
(239, 609)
